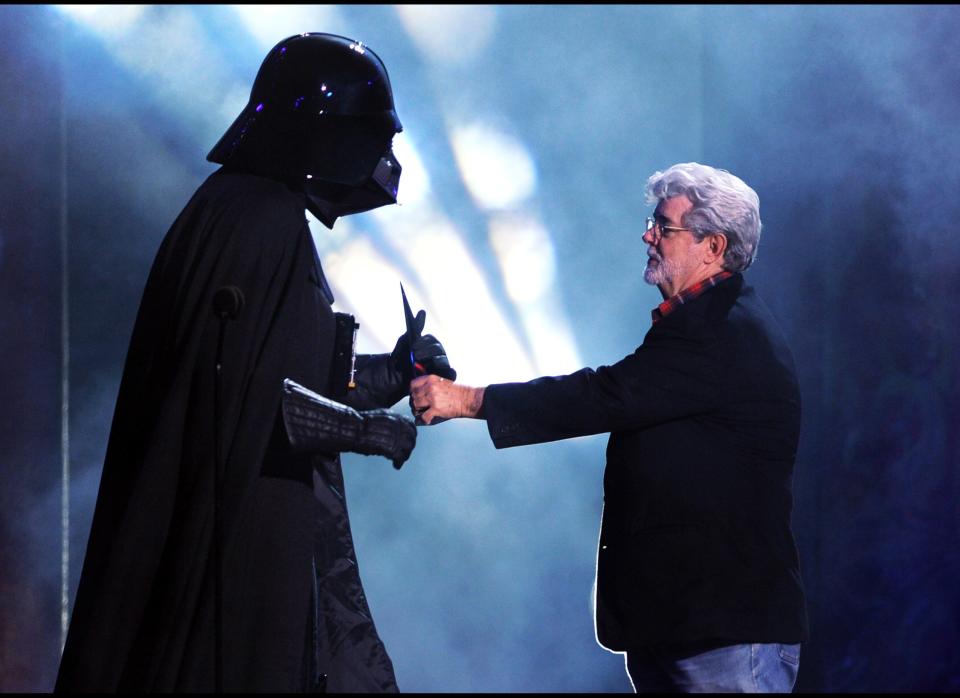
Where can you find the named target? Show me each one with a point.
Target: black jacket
(704, 421)
(293, 605)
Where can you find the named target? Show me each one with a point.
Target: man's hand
(435, 398)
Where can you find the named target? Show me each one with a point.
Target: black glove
(385, 433)
(318, 424)
(382, 379)
(427, 351)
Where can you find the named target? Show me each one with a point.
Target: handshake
(434, 396)
(418, 365)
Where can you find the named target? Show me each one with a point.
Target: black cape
(294, 612)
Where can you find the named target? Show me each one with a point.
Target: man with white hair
(698, 576)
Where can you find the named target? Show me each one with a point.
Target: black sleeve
(668, 377)
(314, 423)
(377, 383)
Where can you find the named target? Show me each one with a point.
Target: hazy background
(529, 132)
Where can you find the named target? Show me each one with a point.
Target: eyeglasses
(665, 230)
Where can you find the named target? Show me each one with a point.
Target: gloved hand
(317, 424)
(385, 433)
(383, 379)
(427, 351)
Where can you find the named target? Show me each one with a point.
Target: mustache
(652, 254)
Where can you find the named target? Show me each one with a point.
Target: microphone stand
(227, 302)
(217, 533)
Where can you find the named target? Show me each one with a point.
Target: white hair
(722, 203)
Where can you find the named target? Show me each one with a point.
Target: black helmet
(321, 118)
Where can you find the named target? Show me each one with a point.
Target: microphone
(227, 302)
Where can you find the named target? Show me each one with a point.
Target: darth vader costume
(220, 555)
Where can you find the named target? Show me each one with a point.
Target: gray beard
(661, 273)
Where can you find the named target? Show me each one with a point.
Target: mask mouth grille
(329, 200)
(387, 174)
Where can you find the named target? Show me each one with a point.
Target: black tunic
(293, 605)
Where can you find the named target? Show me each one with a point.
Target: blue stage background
(529, 133)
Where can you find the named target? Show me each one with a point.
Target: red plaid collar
(674, 302)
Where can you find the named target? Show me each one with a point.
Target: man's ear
(716, 247)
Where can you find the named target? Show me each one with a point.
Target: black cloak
(295, 617)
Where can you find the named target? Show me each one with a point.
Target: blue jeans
(714, 668)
